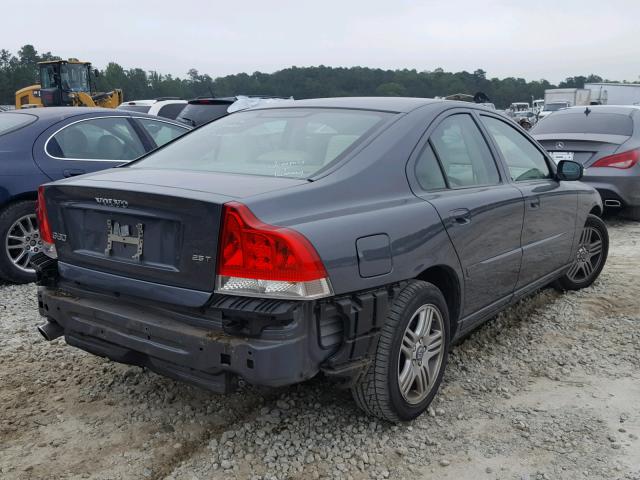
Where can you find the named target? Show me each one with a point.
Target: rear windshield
(198, 114)
(135, 108)
(287, 142)
(552, 107)
(598, 123)
(13, 121)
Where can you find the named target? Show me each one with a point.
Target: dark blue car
(357, 237)
(44, 144)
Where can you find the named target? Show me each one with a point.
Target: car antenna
(587, 111)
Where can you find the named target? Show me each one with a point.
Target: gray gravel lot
(549, 389)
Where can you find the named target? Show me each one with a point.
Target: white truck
(614, 93)
(573, 96)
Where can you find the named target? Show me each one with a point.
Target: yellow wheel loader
(66, 83)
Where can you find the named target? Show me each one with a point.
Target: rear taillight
(619, 160)
(263, 260)
(46, 235)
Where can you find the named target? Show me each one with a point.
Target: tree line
(20, 70)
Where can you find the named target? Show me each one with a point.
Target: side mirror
(569, 170)
(96, 73)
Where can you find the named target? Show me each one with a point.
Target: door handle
(534, 202)
(460, 216)
(73, 172)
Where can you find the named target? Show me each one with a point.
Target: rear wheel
(410, 358)
(591, 256)
(19, 238)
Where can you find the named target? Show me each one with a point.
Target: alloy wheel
(421, 354)
(23, 239)
(588, 256)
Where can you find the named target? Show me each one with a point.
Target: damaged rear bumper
(264, 342)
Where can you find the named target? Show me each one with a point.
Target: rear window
(198, 114)
(172, 110)
(10, 122)
(135, 108)
(597, 123)
(288, 142)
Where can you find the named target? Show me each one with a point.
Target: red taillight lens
(619, 160)
(252, 249)
(43, 219)
(48, 246)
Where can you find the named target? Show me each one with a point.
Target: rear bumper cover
(186, 347)
(265, 342)
(615, 184)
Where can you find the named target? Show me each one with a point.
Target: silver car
(606, 140)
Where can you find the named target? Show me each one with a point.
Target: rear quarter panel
(19, 175)
(367, 195)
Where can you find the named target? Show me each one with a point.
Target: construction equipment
(66, 83)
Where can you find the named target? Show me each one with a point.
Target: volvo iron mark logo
(559, 145)
(112, 202)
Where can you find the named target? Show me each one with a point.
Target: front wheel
(593, 248)
(410, 358)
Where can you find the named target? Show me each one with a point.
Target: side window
(161, 132)
(428, 171)
(463, 153)
(96, 139)
(524, 160)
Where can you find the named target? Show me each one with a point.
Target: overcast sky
(533, 39)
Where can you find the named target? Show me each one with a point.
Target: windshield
(595, 123)
(74, 77)
(552, 107)
(135, 108)
(287, 142)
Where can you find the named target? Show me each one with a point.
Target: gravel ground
(549, 389)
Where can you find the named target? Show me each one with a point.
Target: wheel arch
(447, 281)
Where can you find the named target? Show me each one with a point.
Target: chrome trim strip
(46, 144)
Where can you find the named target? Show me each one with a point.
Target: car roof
(390, 104)
(51, 115)
(61, 113)
(619, 109)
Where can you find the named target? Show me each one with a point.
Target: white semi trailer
(573, 96)
(614, 93)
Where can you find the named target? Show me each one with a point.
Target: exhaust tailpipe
(51, 331)
(612, 203)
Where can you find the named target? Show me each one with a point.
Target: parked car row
(198, 111)
(352, 236)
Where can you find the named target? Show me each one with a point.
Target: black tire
(378, 391)
(8, 216)
(567, 282)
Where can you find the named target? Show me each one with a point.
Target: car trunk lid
(585, 148)
(149, 230)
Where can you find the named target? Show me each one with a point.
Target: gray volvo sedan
(353, 237)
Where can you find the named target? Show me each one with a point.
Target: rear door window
(524, 160)
(595, 123)
(10, 122)
(463, 153)
(96, 139)
(428, 172)
(161, 132)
